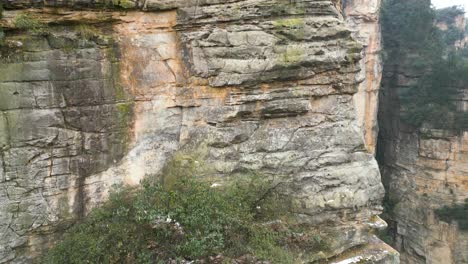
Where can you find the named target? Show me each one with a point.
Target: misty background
(447, 3)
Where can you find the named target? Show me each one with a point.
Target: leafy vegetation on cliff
(434, 70)
(457, 212)
(28, 22)
(447, 17)
(449, 14)
(181, 218)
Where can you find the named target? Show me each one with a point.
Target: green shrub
(449, 14)
(431, 100)
(407, 26)
(452, 35)
(183, 219)
(409, 32)
(87, 31)
(457, 212)
(29, 23)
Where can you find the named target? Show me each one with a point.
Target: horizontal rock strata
(107, 96)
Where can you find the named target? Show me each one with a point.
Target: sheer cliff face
(104, 98)
(363, 18)
(427, 171)
(423, 170)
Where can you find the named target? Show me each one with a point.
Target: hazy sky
(446, 3)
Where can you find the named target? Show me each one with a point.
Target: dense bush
(457, 212)
(407, 26)
(28, 22)
(452, 35)
(180, 218)
(412, 41)
(431, 100)
(449, 14)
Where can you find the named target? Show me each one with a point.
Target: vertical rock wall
(363, 18)
(423, 170)
(63, 118)
(264, 86)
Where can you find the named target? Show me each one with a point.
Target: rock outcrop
(91, 96)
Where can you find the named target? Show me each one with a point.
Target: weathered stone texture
(63, 119)
(246, 85)
(374, 252)
(424, 171)
(363, 18)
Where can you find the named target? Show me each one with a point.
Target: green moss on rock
(290, 22)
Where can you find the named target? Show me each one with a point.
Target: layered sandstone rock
(64, 117)
(363, 18)
(424, 171)
(107, 97)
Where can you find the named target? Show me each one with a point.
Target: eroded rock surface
(63, 118)
(425, 171)
(363, 17)
(252, 85)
